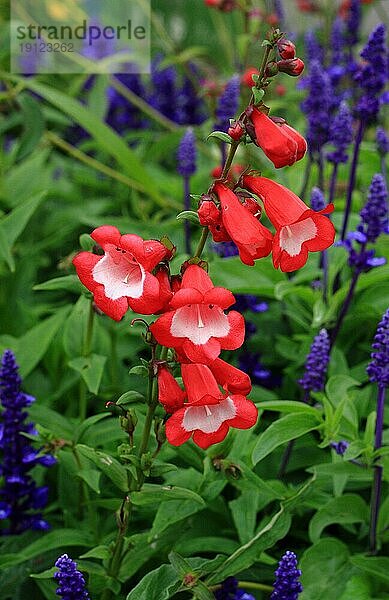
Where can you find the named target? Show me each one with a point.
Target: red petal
(161, 331)
(219, 296)
(278, 146)
(235, 337)
(170, 395)
(84, 263)
(246, 413)
(286, 262)
(300, 141)
(204, 440)
(150, 301)
(199, 382)
(133, 244)
(281, 205)
(116, 309)
(186, 296)
(196, 277)
(153, 252)
(325, 234)
(230, 378)
(106, 234)
(203, 354)
(175, 433)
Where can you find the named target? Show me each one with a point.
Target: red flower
(299, 229)
(208, 414)
(210, 216)
(223, 5)
(282, 144)
(198, 325)
(230, 378)
(247, 77)
(170, 395)
(122, 278)
(233, 175)
(286, 48)
(292, 66)
(252, 238)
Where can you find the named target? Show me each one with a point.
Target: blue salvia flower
(353, 22)
(228, 104)
(340, 447)
(337, 42)
(317, 106)
(225, 249)
(20, 497)
(123, 116)
(186, 154)
(317, 199)
(250, 302)
(316, 363)
(287, 585)
(313, 49)
(250, 363)
(382, 141)
(229, 591)
(71, 583)
(279, 10)
(341, 134)
(371, 75)
(378, 368)
(374, 214)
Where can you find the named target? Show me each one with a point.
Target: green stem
(230, 157)
(202, 241)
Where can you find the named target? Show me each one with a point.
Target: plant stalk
(352, 178)
(378, 472)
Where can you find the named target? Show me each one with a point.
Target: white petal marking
(293, 236)
(199, 322)
(209, 418)
(120, 275)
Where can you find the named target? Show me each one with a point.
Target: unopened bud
(286, 48)
(271, 69)
(293, 66)
(252, 206)
(236, 131)
(209, 213)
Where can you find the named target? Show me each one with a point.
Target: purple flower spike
(19, 496)
(316, 363)
(341, 134)
(229, 591)
(378, 368)
(287, 585)
(317, 106)
(317, 199)
(186, 154)
(228, 103)
(382, 141)
(374, 214)
(71, 583)
(371, 75)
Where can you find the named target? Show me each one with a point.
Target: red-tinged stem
(377, 481)
(352, 178)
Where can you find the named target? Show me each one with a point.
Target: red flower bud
(271, 69)
(306, 6)
(223, 5)
(236, 131)
(209, 213)
(272, 19)
(286, 48)
(219, 233)
(252, 206)
(293, 66)
(280, 90)
(247, 77)
(170, 395)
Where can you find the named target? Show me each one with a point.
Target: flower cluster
(71, 583)
(316, 363)
(20, 497)
(378, 368)
(193, 323)
(287, 585)
(374, 222)
(298, 228)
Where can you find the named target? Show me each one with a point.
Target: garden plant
(195, 324)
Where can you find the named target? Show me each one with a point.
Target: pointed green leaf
(345, 509)
(377, 566)
(91, 369)
(160, 584)
(33, 125)
(15, 221)
(69, 283)
(287, 428)
(325, 569)
(107, 464)
(153, 493)
(220, 135)
(188, 215)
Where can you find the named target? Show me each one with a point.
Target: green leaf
(33, 345)
(325, 569)
(220, 135)
(160, 584)
(100, 551)
(12, 225)
(285, 429)
(357, 588)
(337, 387)
(107, 139)
(348, 508)
(276, 528)
(188, 215)
(107, 464)
(48, 574)
(244, 513)
(139, 370)
(130, 397)
(33, 125)
(91, 369)
(289, 406)
(49, 541)
(91, 478)
(152, 493)
(189, 546)
(69, 283)
(378, 566)
(258, 95)
(179, 564)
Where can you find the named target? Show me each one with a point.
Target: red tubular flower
(198, 326)
(282, 144)
(233, 175)
(252, 238)
(170, 395)
(299, 229)
(210, 216)
(286, 48)
(121, 278)
(231, 379)
(208, 414)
